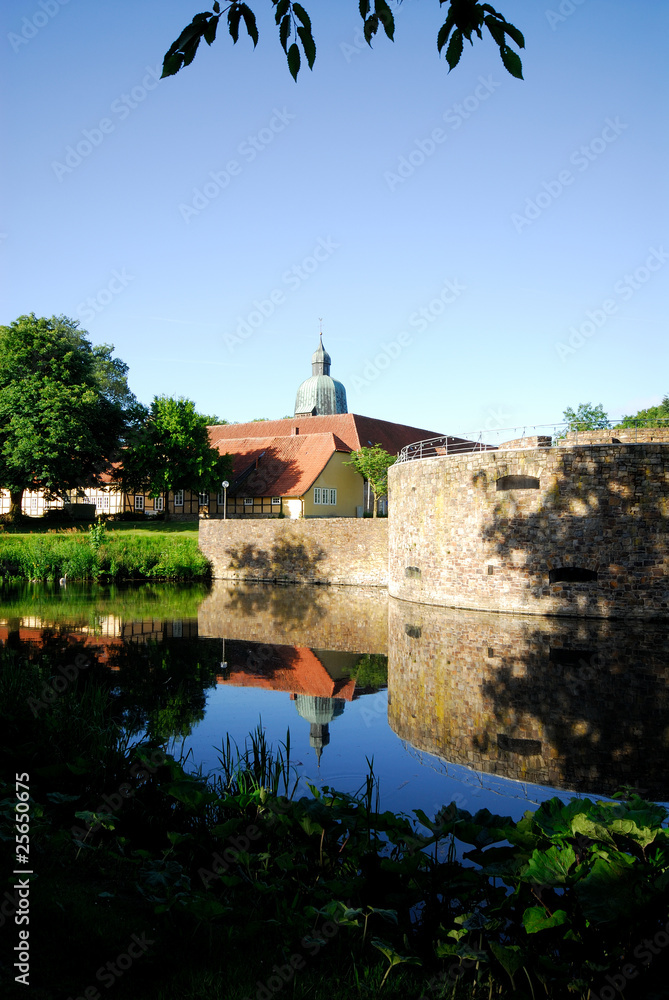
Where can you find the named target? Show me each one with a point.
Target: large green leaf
(537, 918)
(550, 867)
(607, 891)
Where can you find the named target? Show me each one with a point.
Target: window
(333, 496)
(571, 574)
(203, 499)
(139, 502)
(178, 498)
(220, 499)
(518, 483)
(33, 503)
(317, 494)
(276, 501)
(159, 503)
(248, 501)
(324, 495)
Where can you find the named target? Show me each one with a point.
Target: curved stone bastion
(567, 530)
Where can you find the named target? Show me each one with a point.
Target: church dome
(321, 394)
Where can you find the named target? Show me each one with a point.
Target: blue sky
(483, 251)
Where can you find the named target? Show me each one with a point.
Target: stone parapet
(590, 538)
(337, 550)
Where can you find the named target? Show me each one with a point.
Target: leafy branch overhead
(464, 19)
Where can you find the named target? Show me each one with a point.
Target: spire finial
(320, 325)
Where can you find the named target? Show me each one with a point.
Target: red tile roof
(352, 429)
(295, 669)
(277, 466)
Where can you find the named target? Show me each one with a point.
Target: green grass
(135, 554)
(38, 526)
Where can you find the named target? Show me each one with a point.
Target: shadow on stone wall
(579, 705)
(598, 540)
(288, 558)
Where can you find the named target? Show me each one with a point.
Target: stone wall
(351, 619)
(337, 550)
(579, 704)
(599, 510)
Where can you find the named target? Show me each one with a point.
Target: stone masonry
(591, 539)
(337, 550)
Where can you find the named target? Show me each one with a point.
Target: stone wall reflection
(576, 704)
(353, 619)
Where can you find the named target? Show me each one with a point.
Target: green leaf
(250, 22)
(301, 13)
(510, 957)
(370, 28)
(607, 891)
(364, 8)
(171, 65)
(209, 33)
(454, 50)
(550, 867)
(511, 62)
(516, 36)
(60, 798)
(496, 29)
(234, 17)
(308, 45)
(536, 918)
(294, 60)
(284, 32)
(282, 8)
(386, 18)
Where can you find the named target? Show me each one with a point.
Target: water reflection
(576, 704)
(562, 703)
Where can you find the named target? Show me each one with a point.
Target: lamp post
(225, 485)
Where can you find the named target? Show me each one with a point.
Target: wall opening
(412, 572)
(570, 657)
(518, 483)
(514, 744)
(572, 574)
(413, 631)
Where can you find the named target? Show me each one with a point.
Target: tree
(463, 19)
(170, 450)
(373, 463)
(586, 417)
(64, 406)
(653, 416)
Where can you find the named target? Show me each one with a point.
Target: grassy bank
(102, 554)
(240, 890)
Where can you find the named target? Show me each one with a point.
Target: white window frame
(317, 495)
(333, 498)
(248, 501)
(276, 501)
(139, 501)
(159, 503)
(220, 499)
(178, 498)
(203, 499)
(33, 503)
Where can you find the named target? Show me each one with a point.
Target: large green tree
(464, 19)
(586, 417)
(64, 406)
(654, 416)
(169, 449)
(373, 463)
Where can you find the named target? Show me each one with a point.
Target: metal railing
(553, 435)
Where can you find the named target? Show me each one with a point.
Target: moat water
(481, 709)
